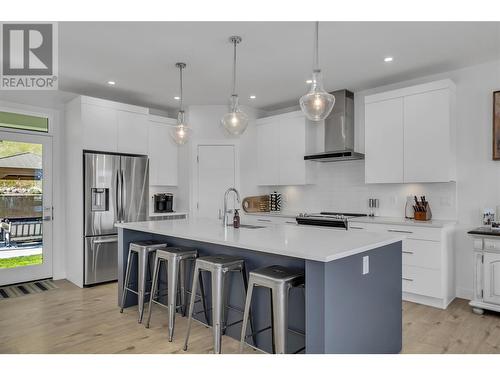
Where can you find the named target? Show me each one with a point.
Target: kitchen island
(351, 302)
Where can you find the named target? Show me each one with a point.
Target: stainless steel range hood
(339, 131)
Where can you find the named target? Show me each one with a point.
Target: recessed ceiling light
(111, 83)
(309, 81)
(252, 97)
(177, 97)
(388, 59)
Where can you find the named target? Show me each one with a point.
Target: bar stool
(175, 259)
(279, 280)
(220, 267)
(143, 250)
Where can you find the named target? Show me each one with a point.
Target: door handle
(399, 231)
(123, 196)
(407, 252)
(406, 279)
(117, 197)
(50, 216)
(107, 240)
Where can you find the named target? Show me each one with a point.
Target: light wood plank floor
(74, 320)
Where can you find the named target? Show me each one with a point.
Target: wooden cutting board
(259, 203)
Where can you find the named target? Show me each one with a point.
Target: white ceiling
(275, 58)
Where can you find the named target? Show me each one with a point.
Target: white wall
(340, 186)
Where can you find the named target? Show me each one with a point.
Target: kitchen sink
(249, 226)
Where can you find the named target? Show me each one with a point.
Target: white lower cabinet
(427, 260)
(486, 260)
(491, 268)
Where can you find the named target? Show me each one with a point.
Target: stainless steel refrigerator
(115, 190)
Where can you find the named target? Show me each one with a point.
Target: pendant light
(317, 103)
(180, 133)
(235, 121)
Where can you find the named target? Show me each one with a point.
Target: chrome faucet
(225, 212)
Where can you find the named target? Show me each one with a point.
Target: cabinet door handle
(407, 252)
(291, 222)
(351, 227)
(266, 220)
(399, 231)
(406, 279)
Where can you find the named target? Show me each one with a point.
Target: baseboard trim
(464, 293)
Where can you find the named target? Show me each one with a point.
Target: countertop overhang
(306, 242)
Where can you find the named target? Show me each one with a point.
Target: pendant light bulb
(317, 103)
(181, 132)
(235, 121)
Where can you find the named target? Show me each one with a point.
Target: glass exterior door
(25, 207)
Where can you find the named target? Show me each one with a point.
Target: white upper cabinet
(383, 141)
(102, 125)
(282, 142)
(162, 151)
(132, 133)
(99, 127)
(268, 133)
(409, 134)
(427, 152)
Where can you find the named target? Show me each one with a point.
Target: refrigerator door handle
(123, 197)
(118, 198)
(107, 240)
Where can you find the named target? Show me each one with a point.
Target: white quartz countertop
(305, 242)
(402, 221)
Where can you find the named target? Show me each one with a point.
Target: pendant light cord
(234, 67)
(182, 96)
(316, 46)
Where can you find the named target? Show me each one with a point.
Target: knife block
(424, 215)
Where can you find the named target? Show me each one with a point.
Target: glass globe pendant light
(180, 133)
(235, 121)
(317, 103)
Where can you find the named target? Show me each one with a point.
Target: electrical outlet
(366, 265)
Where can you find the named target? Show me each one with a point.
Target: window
(24, 122)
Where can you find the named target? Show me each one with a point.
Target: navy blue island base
(340, 310)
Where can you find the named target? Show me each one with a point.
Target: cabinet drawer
(417, 233)
(422, 281)
(422, 253)
(490, 244)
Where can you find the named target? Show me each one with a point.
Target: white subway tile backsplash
(340, 186)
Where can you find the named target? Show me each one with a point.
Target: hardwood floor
(74, 320)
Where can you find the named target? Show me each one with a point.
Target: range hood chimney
(339, 131)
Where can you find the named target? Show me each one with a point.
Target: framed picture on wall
(496, 125)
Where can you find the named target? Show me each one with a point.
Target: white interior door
(25, 207)
(216, 173)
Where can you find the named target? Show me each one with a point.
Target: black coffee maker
(163, 202)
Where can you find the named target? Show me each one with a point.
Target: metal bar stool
(175, 259)
(220, 267)
(279, 280)
(143, 250)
